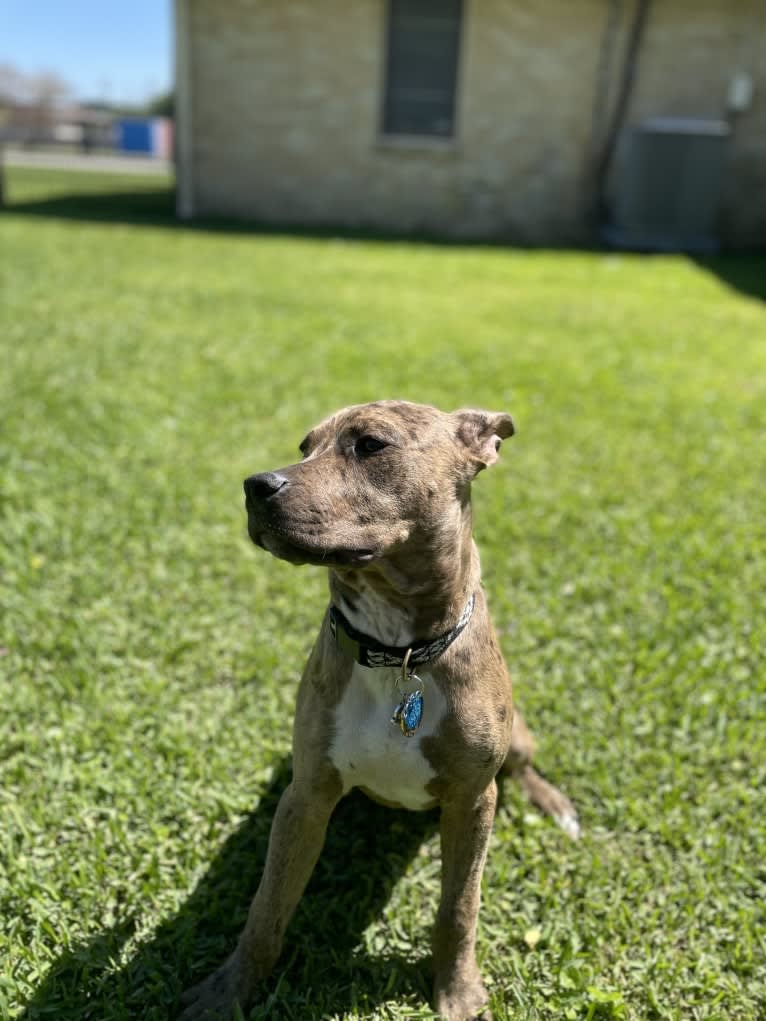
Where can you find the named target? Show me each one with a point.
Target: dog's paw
(217, 998)
(464, 1002)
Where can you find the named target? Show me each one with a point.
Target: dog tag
(409, 713)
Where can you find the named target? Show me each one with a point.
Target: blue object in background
(135, 135)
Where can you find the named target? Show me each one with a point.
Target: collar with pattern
(370, 652)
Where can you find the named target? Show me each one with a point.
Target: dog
(405, 694)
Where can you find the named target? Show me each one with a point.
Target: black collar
(370, 652)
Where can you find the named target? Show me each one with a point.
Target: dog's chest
(370, 751)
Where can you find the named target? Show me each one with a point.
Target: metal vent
(667, 189)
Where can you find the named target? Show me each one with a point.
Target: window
(421, 67)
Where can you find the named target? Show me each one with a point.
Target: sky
(118, 50)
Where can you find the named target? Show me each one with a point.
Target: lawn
(149, 655)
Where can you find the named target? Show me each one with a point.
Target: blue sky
(119, 50)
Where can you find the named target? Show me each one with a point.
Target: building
(499, 119)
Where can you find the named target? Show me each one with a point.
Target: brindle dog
(382, 499)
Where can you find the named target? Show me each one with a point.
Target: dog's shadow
(323, 969)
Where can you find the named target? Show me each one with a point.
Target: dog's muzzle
(271, 526)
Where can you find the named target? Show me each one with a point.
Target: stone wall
(284, 102)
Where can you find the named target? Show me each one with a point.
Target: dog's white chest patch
(371, 752)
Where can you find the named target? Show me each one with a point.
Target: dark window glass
(421, 67)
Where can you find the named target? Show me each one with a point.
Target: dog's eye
(367, 445)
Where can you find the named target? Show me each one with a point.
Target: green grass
(149, 655)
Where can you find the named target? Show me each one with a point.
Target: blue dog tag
(409, 713)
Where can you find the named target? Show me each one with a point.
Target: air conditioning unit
(668, 185)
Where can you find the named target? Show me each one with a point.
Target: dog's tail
(550, 800)
(540, 792)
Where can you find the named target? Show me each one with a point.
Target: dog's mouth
(287, 548)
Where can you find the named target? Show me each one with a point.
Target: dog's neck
(416, 592)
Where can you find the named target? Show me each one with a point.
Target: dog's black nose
(261, 487)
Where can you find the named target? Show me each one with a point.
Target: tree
(45, 90)
(162, 105)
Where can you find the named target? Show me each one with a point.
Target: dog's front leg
(466, 824)
(297, 836)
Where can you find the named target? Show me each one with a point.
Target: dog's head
(372, 477)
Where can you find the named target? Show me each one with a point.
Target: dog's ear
(481, 433)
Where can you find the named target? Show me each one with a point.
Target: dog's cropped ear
(481, 433)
